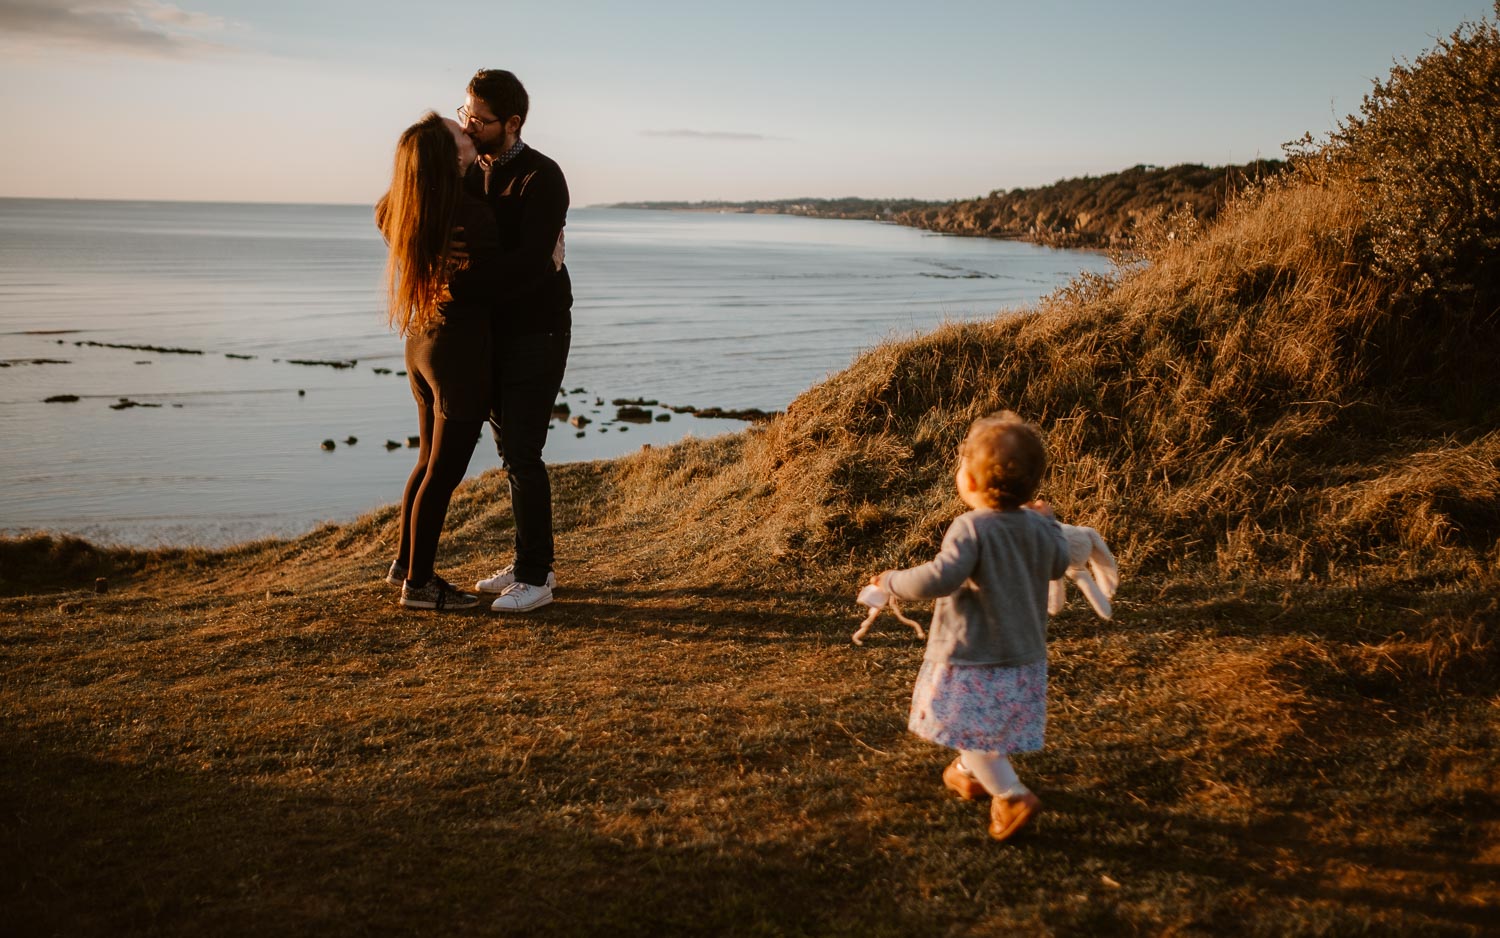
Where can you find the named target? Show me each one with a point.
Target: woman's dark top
(449, 366)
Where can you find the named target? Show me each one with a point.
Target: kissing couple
(477, 287)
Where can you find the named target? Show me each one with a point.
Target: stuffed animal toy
(1091, 566)
(878, 599)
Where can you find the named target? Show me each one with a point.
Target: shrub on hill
(1424, 155)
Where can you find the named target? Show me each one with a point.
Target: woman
(438, 306)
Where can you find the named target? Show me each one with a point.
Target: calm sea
(689, 309)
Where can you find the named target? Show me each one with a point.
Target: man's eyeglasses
(466, 119)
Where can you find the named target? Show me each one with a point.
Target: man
(532, 325)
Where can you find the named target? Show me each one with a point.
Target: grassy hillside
(1287, 424)
(1094, 211)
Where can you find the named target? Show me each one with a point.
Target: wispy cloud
(176, 16)
(710, 135)
(139, 27)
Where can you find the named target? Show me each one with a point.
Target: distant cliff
(1087, 212)
(1091, 211)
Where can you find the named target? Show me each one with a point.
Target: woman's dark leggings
(442, 460)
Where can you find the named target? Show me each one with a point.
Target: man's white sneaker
(505, 576)
(522, 597)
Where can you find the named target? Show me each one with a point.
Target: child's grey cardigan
(992, 575)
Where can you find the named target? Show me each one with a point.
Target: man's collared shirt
(492, 163)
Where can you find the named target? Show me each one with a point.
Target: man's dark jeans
(528, 374)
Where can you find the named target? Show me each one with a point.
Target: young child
(982, 688)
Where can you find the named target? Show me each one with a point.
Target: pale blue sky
(299, 100)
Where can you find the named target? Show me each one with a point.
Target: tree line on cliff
(1093, 211)
(1086, 212)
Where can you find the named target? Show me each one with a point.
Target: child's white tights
(994, 772)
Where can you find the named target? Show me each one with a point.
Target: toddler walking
(982, 688)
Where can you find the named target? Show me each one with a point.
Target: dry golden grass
(261, 741)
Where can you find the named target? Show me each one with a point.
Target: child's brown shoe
(961, 783)
(1008, 815)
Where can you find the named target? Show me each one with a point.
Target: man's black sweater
(529, 197)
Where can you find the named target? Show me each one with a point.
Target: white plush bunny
(1091, 566)
(878, 599)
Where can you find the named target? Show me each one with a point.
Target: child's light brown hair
(1005, 456)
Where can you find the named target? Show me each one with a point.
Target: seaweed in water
(318, 361)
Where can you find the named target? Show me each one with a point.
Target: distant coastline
(1085, 212)
(849, 208)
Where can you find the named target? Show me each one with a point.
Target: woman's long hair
(417, 217)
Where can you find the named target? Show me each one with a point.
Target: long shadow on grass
(745, 616)
(92, 846)
(1083, 828)
(1348, 613)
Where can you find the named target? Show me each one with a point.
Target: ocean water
(689, 309)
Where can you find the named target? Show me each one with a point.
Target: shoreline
(579, 415)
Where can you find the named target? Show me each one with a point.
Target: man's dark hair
(502, 91)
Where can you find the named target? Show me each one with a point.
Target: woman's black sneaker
(436, 594)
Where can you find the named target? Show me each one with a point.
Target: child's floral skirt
(985, 707)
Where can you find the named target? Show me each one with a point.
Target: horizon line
(614, 204)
